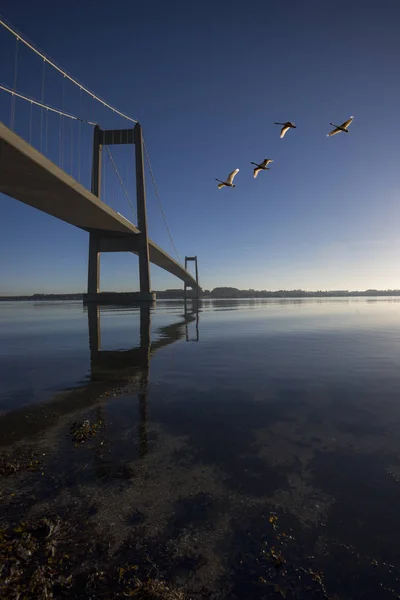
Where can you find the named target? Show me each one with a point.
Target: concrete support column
(94, 255)
(94, 264)
(143, 242)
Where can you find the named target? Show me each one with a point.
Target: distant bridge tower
(105, 241)
(192, 259)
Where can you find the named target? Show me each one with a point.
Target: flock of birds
(264, 165)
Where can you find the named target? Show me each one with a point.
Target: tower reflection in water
(132, 367)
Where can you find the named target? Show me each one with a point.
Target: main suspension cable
(30, 45)
(159, 201)
(55, 110)
(120, 180)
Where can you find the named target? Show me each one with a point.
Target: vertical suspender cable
(71, 142)
(47, 129)
(114, 166)
(159, 200)
(41, 111)
(59, 142)
(14, 84)
(104, 172)
(133, 171)
(62, 126)
(90, 146)
(29, 45)
(90, 161)
(113, 179)
(79, 135)
(30, 124)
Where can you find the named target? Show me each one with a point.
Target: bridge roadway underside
(28, 176)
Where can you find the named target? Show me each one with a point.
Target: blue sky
(207, 80)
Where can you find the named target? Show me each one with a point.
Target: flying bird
(285, 127)
(261, 167)
(338, 128)
(229, 180)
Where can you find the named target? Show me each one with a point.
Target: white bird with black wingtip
(338, 128)
(285, 127)
(262, 166)
(229, 180)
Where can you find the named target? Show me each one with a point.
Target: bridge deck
(28, 176)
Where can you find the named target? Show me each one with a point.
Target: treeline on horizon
(229, 292)
(225, 292)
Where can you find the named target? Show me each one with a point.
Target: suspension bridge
(57, 156)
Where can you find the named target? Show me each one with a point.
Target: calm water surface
(240, 449)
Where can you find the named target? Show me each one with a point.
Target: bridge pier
(102, 241)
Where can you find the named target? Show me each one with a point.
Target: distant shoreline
(223, 293)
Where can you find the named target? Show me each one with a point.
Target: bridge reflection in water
(111, 372)
(133, 366)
